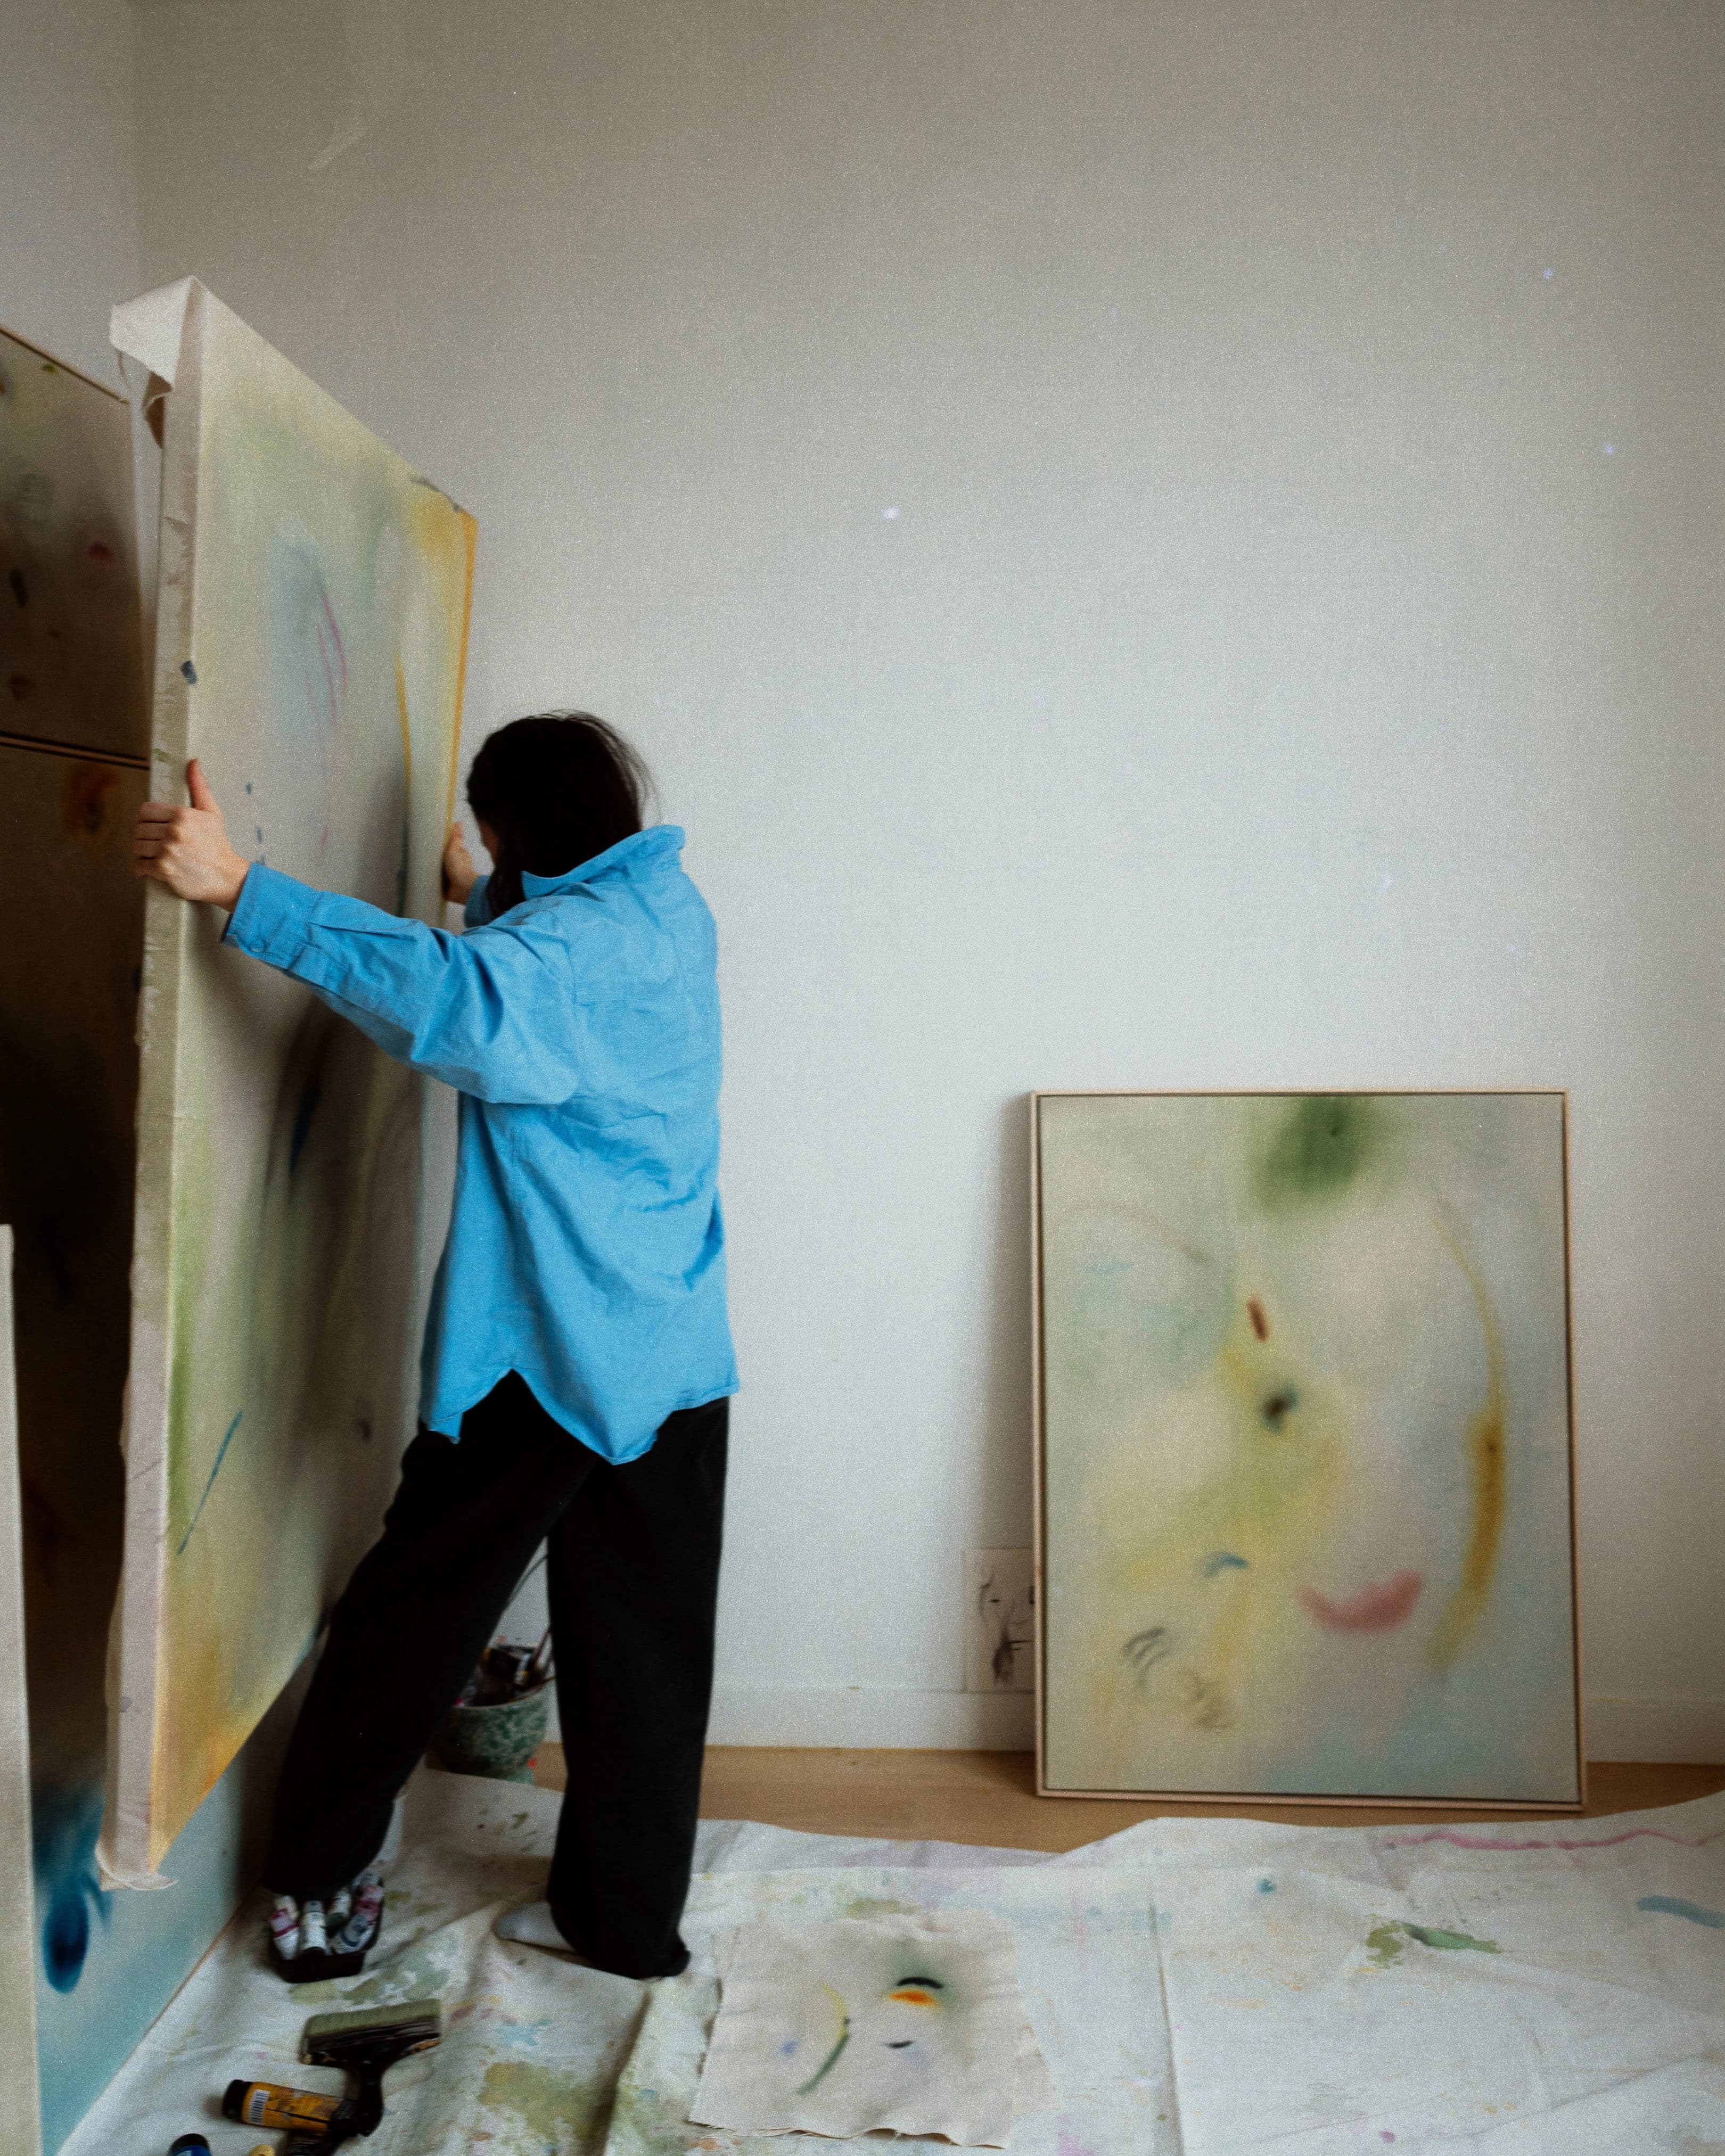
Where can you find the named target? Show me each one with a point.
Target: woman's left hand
(187, 849)
(459, 874)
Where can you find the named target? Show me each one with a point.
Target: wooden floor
(989, 1797)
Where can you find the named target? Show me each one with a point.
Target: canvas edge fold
(1574, 1493)
(131, 1847)
(20, 2076)
(1037, 1457)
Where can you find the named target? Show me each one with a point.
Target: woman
(577, 1362)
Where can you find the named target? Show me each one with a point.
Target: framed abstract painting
(1305, 1475)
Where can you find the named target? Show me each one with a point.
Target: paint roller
(365, 2046)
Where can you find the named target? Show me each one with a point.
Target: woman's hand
(459, 874)
(187, 849)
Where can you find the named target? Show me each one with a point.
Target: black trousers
(632, 1576)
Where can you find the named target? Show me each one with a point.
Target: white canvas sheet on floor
(1195, 1987)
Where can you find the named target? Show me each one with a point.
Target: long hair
(557, 790)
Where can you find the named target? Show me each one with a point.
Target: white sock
(531, 1924)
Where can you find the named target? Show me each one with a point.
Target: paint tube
(284, 1926)
(287, 2110)
(365, 1911)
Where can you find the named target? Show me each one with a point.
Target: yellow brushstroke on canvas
(1271, 1508)
(469, 534)
(1487, 1468)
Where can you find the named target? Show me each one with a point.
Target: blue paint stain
(66, 1822)
(1266, 1886)
(302, 1119)
(220, 1456)
(789, 2048)
(1674, 1904)
(189, 671)
(1222, 1561)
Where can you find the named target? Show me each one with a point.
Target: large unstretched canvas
(1305, 1482)
(71, 665)
(311, 642)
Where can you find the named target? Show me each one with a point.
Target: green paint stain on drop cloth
(416, 1974)
(1450, 1942)
(1385, 1942)
(873, 1905)
(555, 2110)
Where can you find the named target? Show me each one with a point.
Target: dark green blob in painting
(1326, 1141)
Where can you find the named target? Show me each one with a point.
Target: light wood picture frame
(1303, 1412)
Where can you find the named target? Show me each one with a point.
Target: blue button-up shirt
(581, 1028)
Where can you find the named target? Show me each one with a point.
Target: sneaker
(310, 1942)
(531, 1924)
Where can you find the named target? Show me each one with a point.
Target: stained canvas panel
(310, 643)
(71, 660)
(101, 1966)
(1305, 1445)
(68, 1096)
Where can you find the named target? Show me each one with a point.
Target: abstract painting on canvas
(1304, 1420)
(310, 643)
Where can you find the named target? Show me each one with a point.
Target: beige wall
(1151, 544)
(68, 231)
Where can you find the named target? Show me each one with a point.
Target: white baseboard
(865, 1717)
(858, 1718)
(1691, 1731)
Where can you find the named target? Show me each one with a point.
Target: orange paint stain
(84, 804)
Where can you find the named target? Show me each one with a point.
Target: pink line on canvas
(1608, 1841)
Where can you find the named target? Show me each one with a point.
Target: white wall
(69, 229)
(1294, 658)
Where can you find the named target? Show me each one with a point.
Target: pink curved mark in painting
(1378, 1608)
(1557, 1842)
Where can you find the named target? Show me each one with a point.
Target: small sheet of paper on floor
(909, 2024)
(1195, 1987)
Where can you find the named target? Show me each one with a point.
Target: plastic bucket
(498, 1741)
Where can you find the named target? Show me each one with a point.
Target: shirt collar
(629, 857)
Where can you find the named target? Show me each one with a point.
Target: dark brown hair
(557, 790)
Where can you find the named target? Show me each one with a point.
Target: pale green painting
(310, 645)
(1305, 1444)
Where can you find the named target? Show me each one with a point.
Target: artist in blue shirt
(577, 1346)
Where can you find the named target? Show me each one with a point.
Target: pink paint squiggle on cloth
(1608, 1841)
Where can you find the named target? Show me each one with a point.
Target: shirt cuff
(477, 911)
(272, 915)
